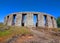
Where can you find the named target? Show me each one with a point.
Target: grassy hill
(8, 33)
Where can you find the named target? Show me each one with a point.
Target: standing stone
(18, 19)
(41, 20)
(5, 20)
(10, 20)
(54, 23)
(29, 20)
(49, 22)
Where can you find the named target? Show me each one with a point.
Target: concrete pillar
(10, 20)
(18, 19)
(49, 22)
(40, 20)
(54, 23)
(5, 20)
(29, 20)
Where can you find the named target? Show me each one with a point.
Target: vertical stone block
(40, 20)
(49, 22)
(54, 23)
(18, 19)
(29, 20)
(5, 20)
(10, 20)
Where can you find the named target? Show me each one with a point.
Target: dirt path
(39, 37)
(46, 37)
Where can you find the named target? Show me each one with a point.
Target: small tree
(58, 21)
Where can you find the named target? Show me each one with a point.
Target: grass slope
(7, 32)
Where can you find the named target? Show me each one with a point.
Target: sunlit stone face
(30, 19)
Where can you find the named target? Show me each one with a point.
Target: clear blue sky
(48, 6)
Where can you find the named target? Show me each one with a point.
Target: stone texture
(29, 20)
(10, 20)
(54, 23)
(5, 20)
(51, 23)
(18, 19)
(41, 20)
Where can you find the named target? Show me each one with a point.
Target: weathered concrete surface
(5, 21)
(51, 22)
(29, 20)
(10, 20)
(54, 23)
(18, 19)
(41, 20)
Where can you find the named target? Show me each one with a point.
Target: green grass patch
(14, 30)
(4, 33)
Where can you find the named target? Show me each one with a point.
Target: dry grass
(7, 32)
(48, 29)
(12, 31)
(56, 29)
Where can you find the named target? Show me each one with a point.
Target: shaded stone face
(26, 19)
